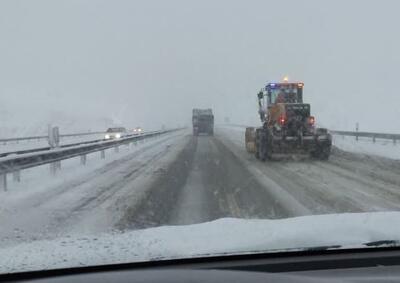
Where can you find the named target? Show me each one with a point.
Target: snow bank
(385, 148)
(221, 236)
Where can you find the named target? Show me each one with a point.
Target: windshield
(284, 94)
(149, 130)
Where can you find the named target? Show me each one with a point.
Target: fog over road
(179, 179)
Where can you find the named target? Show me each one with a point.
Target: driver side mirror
(260, 95)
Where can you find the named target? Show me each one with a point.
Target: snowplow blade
(250, 139)
(318, 145)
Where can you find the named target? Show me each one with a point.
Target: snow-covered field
(384, 148)
(39, 178)
(38, 206)
(223, 236)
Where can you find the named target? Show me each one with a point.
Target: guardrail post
(83, 159)
(102, 154)
(54, 166)
(17, 176)
(116, 149)
(394, 141)
(3, 181)
(357, 127)
(373, 139)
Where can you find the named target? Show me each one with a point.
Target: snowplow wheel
(250, 140)
(257, 144)
(262, 148)
(265, 148)
(322, 152)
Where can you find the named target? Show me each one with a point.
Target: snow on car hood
(227, 236)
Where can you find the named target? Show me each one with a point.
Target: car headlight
(117, 136)
(107, 137)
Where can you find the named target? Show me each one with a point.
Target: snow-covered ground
(39, 178)
(45, 206)
(70, 219)
(223, 236)
(384, 148)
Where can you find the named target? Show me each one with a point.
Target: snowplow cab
(284, 102)
(284, 93)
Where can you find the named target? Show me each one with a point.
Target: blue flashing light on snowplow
(274, 85)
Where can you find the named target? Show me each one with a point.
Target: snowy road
(179, 179)
(348, 182)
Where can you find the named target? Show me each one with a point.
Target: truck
(203, 121)
(287, 125)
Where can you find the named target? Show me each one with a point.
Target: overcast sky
(90, 62)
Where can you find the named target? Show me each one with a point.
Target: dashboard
(358, 265)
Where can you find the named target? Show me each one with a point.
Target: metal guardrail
(82, 134)
(374, 136)
(6, 140)
(14, 164)
(23, 139)
(356, 134)
(4, 154)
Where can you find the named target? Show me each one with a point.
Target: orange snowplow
(287, 126)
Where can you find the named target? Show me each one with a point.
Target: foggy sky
(91, 62)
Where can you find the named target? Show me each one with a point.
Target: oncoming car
(115, 133)
(137, 130)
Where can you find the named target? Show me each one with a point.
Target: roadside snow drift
(228, 236)
(384, 148)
